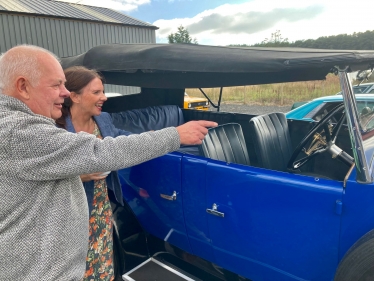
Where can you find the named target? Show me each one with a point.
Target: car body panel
(143, 186)
(358, 213)
(268, 213)
(275, 225)
(195, 103)
(257, 235)
(307, 111)
(363, 88)
(194, 203)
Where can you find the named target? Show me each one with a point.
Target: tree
(276, 40)
(355, 41)
(181, 36)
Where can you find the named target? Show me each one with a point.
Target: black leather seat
(150, 118)
(225, 142)
(272, 140)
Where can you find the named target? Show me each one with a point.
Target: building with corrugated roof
(67, 29)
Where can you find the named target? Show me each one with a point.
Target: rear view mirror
(363, 75)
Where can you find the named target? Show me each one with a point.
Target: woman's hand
(93, 177)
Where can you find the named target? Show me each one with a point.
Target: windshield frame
(363, 174)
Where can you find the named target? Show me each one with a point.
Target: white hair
(22, 60)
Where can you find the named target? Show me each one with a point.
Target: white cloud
(255, 20)
(119, 5)
(252, 22)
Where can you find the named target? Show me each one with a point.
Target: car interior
(265, 141)
(226, 143)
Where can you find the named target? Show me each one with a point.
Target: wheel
(321, 138)
(358, 263)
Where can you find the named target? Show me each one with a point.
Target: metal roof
(70, 10)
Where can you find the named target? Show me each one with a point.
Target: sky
(224, 22)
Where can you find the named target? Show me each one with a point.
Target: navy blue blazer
(107, 129)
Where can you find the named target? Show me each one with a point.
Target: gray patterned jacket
(43, 207)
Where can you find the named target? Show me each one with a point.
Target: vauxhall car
(263, 198)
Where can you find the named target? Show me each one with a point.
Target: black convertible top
(200, 66)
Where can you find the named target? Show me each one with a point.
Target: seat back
(225, 142)
(150, 118)
(272, 140)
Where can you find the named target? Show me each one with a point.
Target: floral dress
(99, 261)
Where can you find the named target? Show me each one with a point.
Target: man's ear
(75, 98)
(22, 87)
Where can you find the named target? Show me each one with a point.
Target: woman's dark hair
(77, 77)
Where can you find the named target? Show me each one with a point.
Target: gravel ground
(252, 109)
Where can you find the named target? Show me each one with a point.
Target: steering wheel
(322, 138)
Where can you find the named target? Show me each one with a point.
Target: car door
(153, 191)
(270, 225)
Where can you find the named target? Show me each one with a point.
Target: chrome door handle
(170, 197)
(214, 211)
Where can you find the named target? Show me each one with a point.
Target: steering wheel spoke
(337, 128)
(300, 162)
(321, 138)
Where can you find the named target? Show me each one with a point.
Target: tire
(358, 263)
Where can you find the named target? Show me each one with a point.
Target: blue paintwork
(194, 202)
(142, 186)
(299, 113)
(358, 213)
(277, 226)
(271, 223)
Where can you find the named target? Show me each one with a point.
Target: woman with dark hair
(81, 112)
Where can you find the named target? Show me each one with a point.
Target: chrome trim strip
(349, 99)
(168, 235)
(126, 276)
(172, 270)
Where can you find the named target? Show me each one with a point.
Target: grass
(281, 94)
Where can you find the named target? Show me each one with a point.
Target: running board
(155, 270)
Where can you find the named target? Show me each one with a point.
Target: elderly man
(43, 208)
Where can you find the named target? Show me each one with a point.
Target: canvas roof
(194, 66)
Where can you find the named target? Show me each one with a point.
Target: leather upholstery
(150, 118)
(272, 140)
(225, 142)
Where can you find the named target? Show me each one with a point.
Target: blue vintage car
(263, 198)
(316, 109)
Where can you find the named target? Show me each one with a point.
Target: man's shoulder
(14, 111)
(9, 118)
(22, 121)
